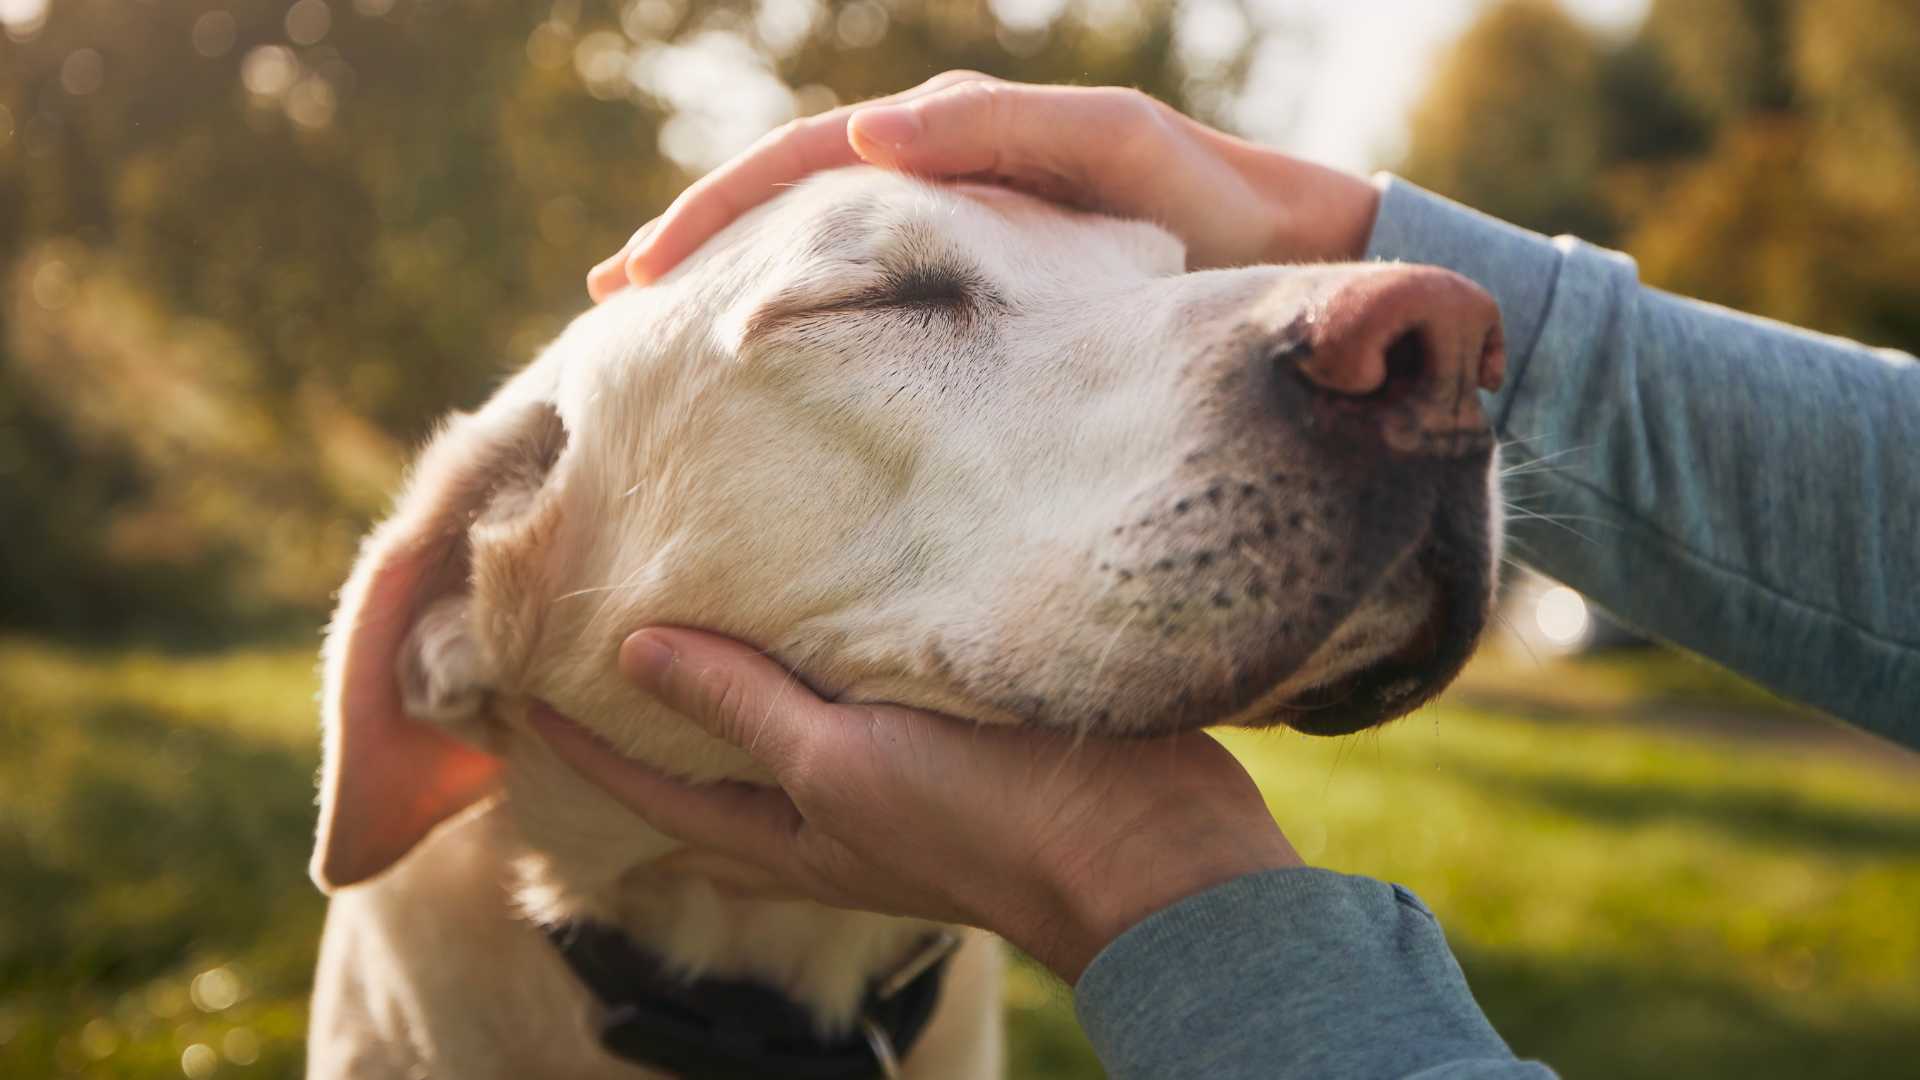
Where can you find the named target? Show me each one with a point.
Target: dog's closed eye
(927, 286)
(925, 290)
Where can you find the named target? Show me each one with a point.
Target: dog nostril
(1290, 353)
(1407, 362)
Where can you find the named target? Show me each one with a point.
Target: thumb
(734, 692)
(744, 821)
(1067, 133)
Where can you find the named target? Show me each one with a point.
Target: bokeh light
(308, 21)
(861, 25)
(199, 1061)
(1562, 617)
(213, 34)
(270, 70)
(215, 989)
(23, 19)
(83, 72)
(240, 1045)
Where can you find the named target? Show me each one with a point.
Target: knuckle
(800, 771)
(975, 91)
(1142, 125)
(692, 201)
(1130, 105)
(994, 102)
(956, 76)
(720, 695)
(780, 136)
(794, 129)
(828, 867)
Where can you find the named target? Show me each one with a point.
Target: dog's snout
(1411, 343)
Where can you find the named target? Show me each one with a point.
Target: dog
(942, 445)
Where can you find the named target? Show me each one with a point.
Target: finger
(744, 821)
(782, 156)
(1005, 129)
(610, 276)
(732, 691)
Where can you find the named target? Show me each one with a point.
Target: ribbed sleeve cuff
(1287, 973)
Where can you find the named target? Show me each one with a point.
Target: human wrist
(1090, 911)
(1314, 213)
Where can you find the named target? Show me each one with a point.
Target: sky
(1374, 57)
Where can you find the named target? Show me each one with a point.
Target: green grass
(1644, 871)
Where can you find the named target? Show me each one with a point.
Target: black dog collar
(742, 1029)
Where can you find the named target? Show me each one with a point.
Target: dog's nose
(1405, 346)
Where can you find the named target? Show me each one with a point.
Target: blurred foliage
(250, 249)
(1763, 154)
(1650, 884)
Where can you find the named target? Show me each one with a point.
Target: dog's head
(945, 446)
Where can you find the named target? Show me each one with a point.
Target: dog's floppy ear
(403, 671)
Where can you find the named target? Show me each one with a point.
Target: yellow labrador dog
(944, 446)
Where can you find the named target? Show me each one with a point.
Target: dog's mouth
(1413, 672)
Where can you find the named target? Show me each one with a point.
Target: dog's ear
(406, 680)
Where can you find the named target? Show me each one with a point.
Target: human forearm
(1292, 973)
(1739, 487)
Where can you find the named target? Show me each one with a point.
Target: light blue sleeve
(1741, 488)
(1291, 973)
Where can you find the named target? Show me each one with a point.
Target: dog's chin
(1392, 653)
(1395, 672)
(1391, 686)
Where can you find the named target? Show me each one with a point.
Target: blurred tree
(1729, 57)
(251, 248)
(1764, 154)
(1512, 120)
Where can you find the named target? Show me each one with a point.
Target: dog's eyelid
(929, 286)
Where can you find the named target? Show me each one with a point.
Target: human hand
(1108, 149)
(1058, 844)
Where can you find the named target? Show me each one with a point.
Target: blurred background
(249, 249)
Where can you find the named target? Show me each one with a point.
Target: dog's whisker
(1524, 439)
(1530, 468)
(592, 591)
(1339, 755)
(1080, 737)
(1556, 522)
(1539, 464)
(1518, 636)
(1527, 511)
(1100, 662)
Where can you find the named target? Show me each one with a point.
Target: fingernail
(645, 658)
(890, 124)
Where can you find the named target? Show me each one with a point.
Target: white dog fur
(943, 446)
